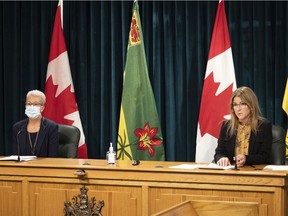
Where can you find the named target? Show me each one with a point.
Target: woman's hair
(37, 93)
(247, 96)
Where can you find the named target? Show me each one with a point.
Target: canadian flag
(61, 105)
(219, 84)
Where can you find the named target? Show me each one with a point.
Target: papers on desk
(202, 166)
(276, 167)
(15, 158)
(215, 166)
(187, 166)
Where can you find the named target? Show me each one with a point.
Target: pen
(255, 168)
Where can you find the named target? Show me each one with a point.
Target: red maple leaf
(58, 107)
(213, 108)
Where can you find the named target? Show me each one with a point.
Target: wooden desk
(40, 187)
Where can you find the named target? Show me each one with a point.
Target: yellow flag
(285, 99)
(285, 108)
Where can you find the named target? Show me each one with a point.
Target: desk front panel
(42, 189)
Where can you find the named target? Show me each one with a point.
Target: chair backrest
(278, 152)
(69, 137)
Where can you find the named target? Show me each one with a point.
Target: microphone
(18, 146)
(235, 152)
(136, 162)
(235, 165)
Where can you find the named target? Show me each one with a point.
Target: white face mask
(33, 112)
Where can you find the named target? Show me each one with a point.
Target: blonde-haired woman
(247, 136)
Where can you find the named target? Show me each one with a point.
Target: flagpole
(61, 6)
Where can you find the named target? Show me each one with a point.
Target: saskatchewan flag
(139, 134)
(285, 108)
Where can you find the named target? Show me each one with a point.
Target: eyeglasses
(240, 105)
(33, 104)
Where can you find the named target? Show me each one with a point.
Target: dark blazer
(47, 143)
(259, 144)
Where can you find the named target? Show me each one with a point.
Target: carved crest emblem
(81, 205)
(134, 31)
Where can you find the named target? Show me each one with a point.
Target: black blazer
(47, 143)
(259, 145)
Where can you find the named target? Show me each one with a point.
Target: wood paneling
(40, 187)
(208, 208)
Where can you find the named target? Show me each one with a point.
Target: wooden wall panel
(48, 198)
(163, 198)
(208, 208)
(10, 198)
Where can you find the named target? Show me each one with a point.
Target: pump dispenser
(111, 155)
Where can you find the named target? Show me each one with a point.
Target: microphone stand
(235, 165)
(18, 147)
(235, 152)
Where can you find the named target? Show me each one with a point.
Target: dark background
(177, 39)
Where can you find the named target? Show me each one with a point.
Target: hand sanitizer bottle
(111, 156)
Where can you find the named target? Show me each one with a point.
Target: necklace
(35, 142)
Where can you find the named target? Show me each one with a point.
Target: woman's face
(35, 101)
(241, 110)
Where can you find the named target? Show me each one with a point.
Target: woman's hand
(240, 160)
(224, 161)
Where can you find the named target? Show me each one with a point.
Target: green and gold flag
(285, 108)
(139, 134)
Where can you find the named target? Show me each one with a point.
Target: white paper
(201, 166)
(187, 166)
(15, 157)
(215, 166)
(276, 167)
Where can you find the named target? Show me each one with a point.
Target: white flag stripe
(75, 116)
(206, 145)
(219, 64)
(59, 68)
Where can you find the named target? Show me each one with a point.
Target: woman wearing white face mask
(35, 135)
